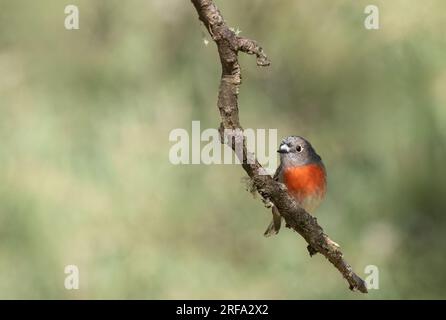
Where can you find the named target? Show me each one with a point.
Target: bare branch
(229, 44)
(251, 47)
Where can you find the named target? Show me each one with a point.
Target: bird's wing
(276, 176)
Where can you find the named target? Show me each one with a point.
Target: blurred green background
(86, 179)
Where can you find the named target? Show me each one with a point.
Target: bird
(303, 173)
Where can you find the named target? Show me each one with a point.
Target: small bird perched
(303, 173)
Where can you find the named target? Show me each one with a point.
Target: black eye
(298, 148)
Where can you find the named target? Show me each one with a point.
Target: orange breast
(305, 181)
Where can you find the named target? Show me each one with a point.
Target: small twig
(296, 218)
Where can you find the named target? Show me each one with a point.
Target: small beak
(284, 149)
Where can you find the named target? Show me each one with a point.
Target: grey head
(297, 151)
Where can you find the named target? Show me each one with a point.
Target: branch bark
(296, 218)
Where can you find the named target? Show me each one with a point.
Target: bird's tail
(274, 226)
